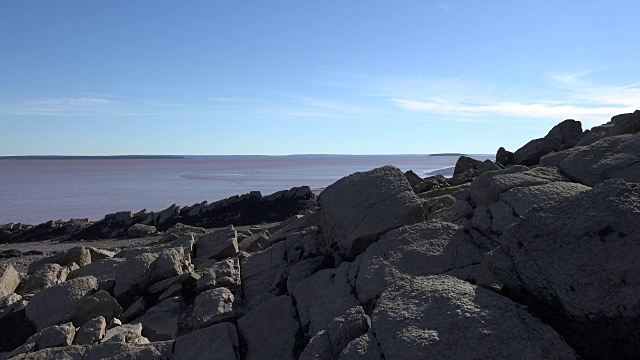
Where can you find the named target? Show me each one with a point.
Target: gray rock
(9, 300)
(619, 125)
(521, 199)
(422, 249)
(562, 136)
(103, 270)
(465, 163)
(212, 306)
(255, 242)
(357, 209)
(134, 274)
(79, 255)
(220, 339)
(365, 347)
(98, 304)
(225, 273)
(92, 331)
(186, 280)
(446, 318)
(616, 157)
(218, 244)
(58, 353)
(431, 183)
(45, 276)
(118, 350)
(131, 334)
(171, 262)
(413, 178)
(347, 327)
(179, 230)
(486, 188)
(100, 254)
(324, 296)
(141, 230)
(270, 331)
(259, 270)
(9, 279)
(55, 304)
(135, 309)
(174, 290)
(580, 254)
(504, 157)
(303, 269)
(161, 321)
(303, 243)
(556, 157)
(54, 336)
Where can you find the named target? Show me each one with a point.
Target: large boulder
(578, 257)
(616, 157)
(55, 304)
(357, 209)
(225, 273)
(53, 336)
(91, 331)
(324, 296)
(422, 249)
(45, 276)
(161, 322)
(9, 279)
(79, 255)
(465, 163)
(441, 317)
(220, 339)
(99, 304)
(218, 244)
(212, 306)
(562, 136)
(15, 328)
(271, 331)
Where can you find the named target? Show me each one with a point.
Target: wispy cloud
(515, 109)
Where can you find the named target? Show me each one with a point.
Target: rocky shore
(533, 256)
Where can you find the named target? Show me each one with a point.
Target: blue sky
(291, 77)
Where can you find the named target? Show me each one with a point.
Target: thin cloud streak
(534, 110)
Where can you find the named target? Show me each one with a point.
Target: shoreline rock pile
(530, 257)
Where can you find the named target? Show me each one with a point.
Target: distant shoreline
(180, 157)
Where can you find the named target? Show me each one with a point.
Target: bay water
(35, 191)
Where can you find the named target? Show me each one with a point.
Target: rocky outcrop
(523, 262)
(247, 209)
(562, 136)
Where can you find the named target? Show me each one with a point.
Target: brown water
(34, 191)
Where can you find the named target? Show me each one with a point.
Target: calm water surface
(34, 191)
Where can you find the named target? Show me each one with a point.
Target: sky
(284, 77)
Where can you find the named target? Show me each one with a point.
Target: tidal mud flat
(533, 256)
